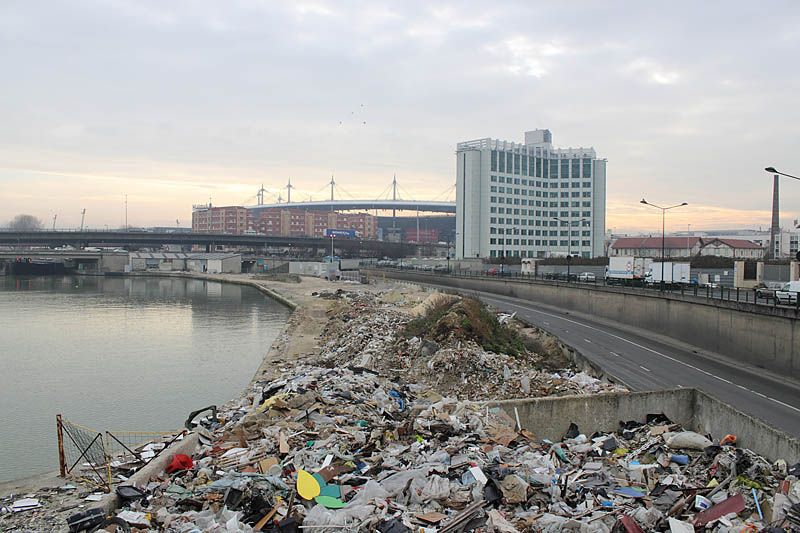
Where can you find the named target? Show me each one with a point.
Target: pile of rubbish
(374, 335)
(343, 449)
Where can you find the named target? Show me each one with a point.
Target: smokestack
(775, 228)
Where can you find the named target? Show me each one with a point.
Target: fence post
(62, 461)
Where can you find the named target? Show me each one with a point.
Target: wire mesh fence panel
(105, 458)
(82, 452)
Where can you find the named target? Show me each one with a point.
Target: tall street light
(569, 240)
(772, 170)
(663, 231)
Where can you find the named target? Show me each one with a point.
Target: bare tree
(25, 223)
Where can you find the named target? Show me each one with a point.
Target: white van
(788, 293)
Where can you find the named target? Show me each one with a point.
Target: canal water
(133, 354)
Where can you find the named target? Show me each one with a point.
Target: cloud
(523, 56)
(652, 72)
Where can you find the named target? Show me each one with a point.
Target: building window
(493, 188)
(494, 179)
(516, 164)
(553, 243)
(587, 184)
(586, 243)
(587, 168)
(576, 168)
(586, 214)
(493, 241)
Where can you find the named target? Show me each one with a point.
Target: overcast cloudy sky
(175, 102)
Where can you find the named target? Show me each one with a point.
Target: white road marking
(646, 349)
(644, 368)
(587, 340)
(614, 354)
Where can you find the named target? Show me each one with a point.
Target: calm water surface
(120, 353)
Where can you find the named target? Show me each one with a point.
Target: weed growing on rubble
(465, 319)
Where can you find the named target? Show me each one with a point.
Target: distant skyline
(173, 103)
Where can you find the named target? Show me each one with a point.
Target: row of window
(528, 253)
(525, 201)
(540, 184)
(540, 213)
(544, 233)
(523, 165)
(573, 214)
(540, 242)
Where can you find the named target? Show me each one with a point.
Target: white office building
(529, 199)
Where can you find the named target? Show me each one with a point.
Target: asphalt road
(647, 364)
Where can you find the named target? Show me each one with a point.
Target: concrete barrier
(762, 336)
(693, 409)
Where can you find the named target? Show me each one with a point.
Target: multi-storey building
(529, 199)
(278, 221)
(233, 220)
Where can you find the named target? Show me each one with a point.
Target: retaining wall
(693, 409)
(762, 336)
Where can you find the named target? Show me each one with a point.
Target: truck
(331, 233)
(627, 270)
(674, 273)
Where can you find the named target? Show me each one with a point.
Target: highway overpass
(209, 240)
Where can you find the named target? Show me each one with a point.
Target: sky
(175, 103)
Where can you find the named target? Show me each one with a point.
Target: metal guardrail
(721, 294)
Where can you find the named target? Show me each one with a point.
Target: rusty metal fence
(103, 457)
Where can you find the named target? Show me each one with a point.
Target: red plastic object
(179, 462)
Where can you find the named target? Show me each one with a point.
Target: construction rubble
(383, 432)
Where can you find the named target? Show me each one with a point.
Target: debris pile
(345, 449)
(444, 349)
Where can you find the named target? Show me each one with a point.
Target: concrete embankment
(761, 336)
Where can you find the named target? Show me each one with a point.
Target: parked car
(587, 277)
(788, 293)
(765, 292)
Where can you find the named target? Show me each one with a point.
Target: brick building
(279, 221)
(233, 220)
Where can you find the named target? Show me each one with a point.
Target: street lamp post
(503, 253)
(772, 170)
(569, 242)
(663, 231)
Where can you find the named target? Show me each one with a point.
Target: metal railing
(676, 290)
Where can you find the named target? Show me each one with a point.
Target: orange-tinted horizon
(158, 201)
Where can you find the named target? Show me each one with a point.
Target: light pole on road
(663, 231)
(569, 241)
